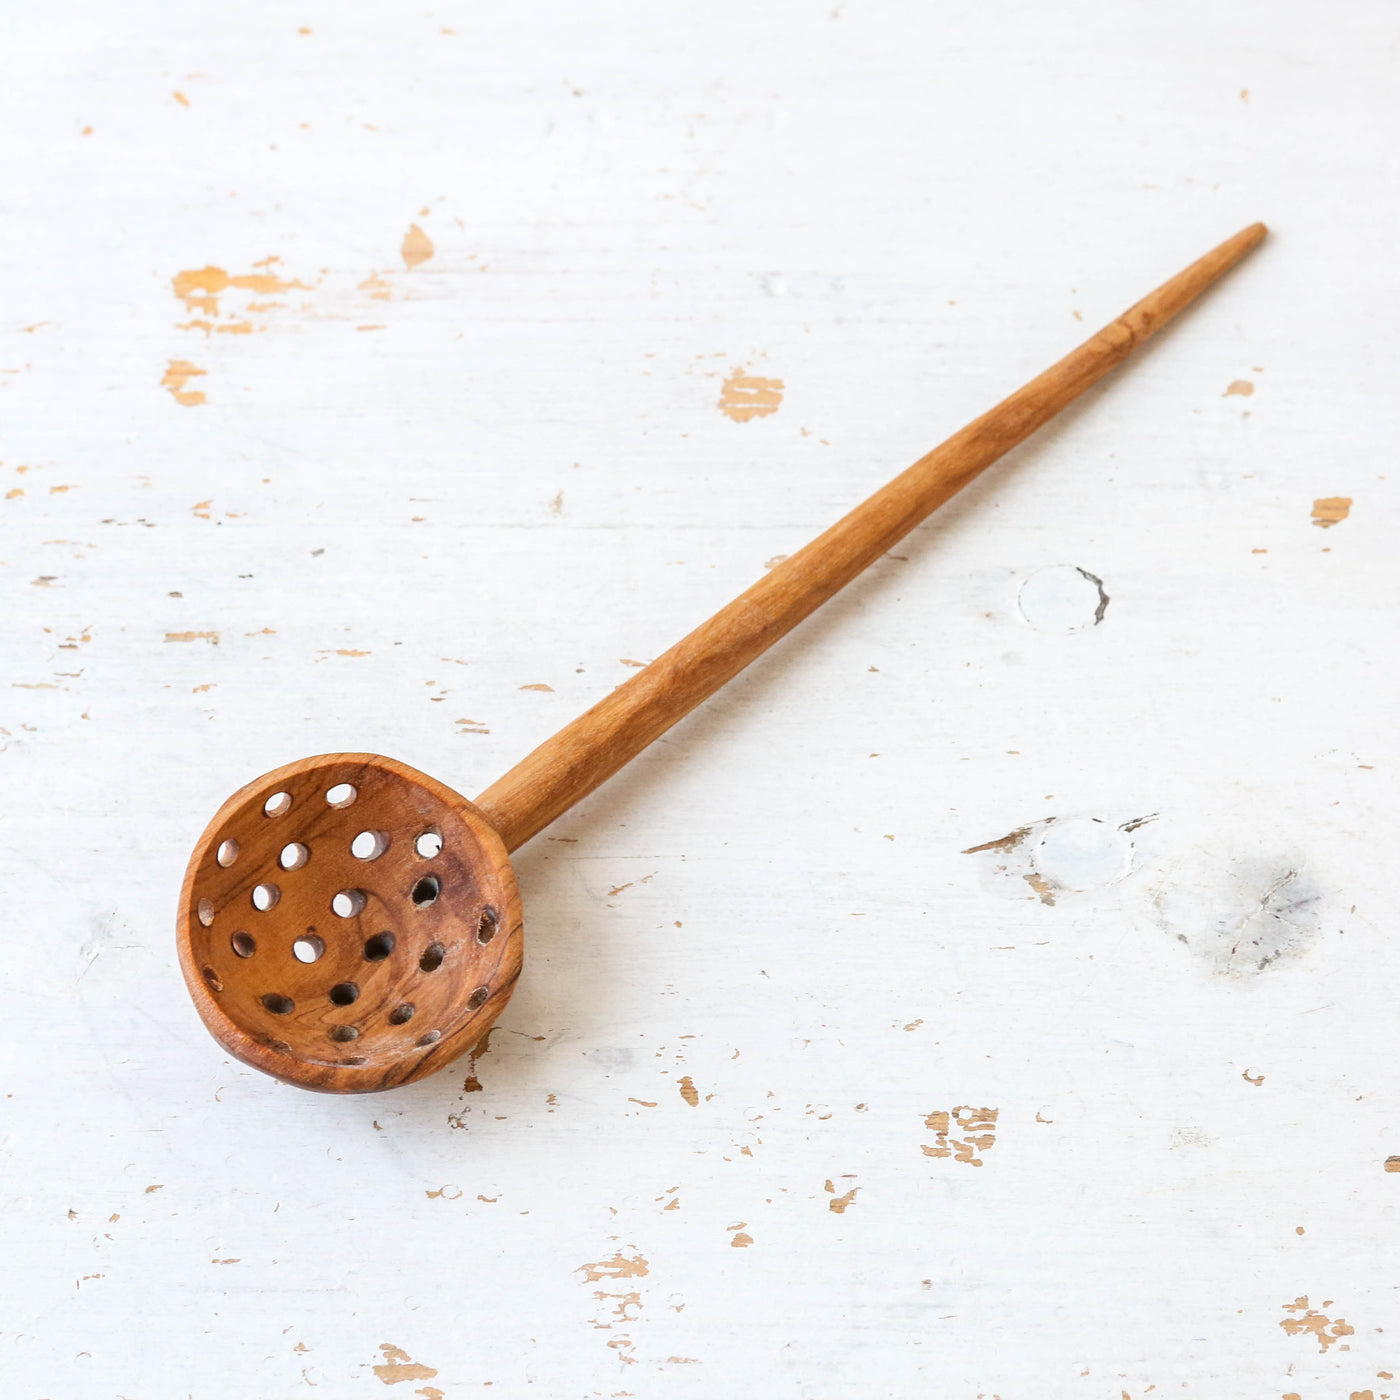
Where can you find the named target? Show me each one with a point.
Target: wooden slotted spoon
(348, 923)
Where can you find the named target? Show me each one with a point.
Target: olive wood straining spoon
(348, 923)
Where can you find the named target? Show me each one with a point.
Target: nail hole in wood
(344, 1033)
(400, 1014)
(432, 957)
(279, 1005)
(344, 993)
(426, 890)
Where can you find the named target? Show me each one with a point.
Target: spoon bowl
(349, 924)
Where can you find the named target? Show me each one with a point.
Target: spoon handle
(588, 751)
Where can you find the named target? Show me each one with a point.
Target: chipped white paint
(362, 384)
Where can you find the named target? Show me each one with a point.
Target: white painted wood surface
(704, 1153)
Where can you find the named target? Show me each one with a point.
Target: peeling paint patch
(614, 1268)
(746, 396)
(417, 247)
(689, 1092)
(399, 1366)
(1392, 1164)
(837, 1203)
(1242, 387)
(200, 288)
(1313, 1323)
(978, 1127)
(211, 637)
(1010, 841)
(1328, 511)
(179, 373)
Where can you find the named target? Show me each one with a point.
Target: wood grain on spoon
(585, 753)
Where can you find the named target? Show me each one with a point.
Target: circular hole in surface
(428, 844)
(486, 926)
(294, 856)
(432, 957)
(280, 1046)
(308, 948)
(343, 993)
(228, 852)
(244, 944)
(426, 890)
(341, 795)
(279, 1005)
(478, 998)
(265, 896)
(343, 1033)
(278, 803)
(348, 903)
(205, 911)
(379, 947)
(215, 983)
(431, 1038)
(369, 845)
(400, 1014)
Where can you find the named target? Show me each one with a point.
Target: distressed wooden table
(992, 993)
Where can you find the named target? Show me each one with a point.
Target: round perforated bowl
(349, 924)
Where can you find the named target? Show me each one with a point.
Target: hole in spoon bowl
(243, 943)
(432, 957)
(428, 844)
(265, 896)
(400, 1014)
(204, 911)
(344, 1033)
(228, 852)
(426, 890)
(369, 845)
(348, 903)
(278, 804)
(379, 947)
(308, 948)
(294, 855)
(341, 795)
(344, 993)
(279, 1005)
